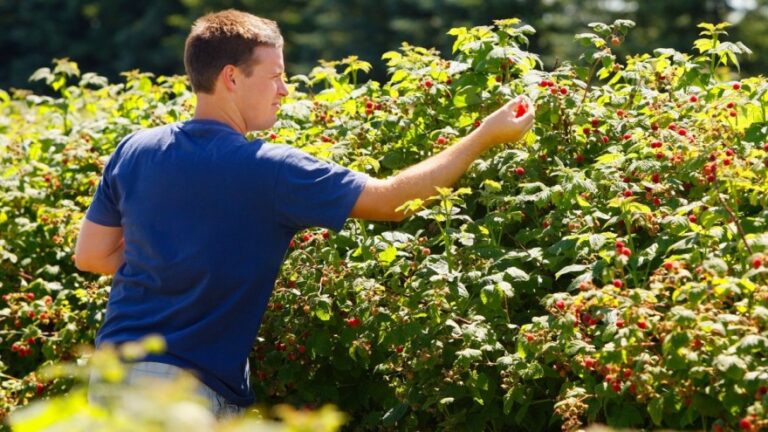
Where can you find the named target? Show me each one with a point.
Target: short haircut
(225, 38)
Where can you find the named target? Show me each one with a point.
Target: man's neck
(209, 108)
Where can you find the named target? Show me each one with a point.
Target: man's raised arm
(380, 198)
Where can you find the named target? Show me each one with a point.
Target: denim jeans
(220, 407)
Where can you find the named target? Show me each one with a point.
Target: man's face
(259, 96)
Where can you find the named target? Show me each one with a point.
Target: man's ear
(227, 77)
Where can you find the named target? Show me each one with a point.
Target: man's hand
(508, 123)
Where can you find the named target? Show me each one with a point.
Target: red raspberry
(642, 324)
(744, 423)
(522, 108)
(560, 304)
(737, 86)
(618, 283)
(619, 244)
(757, 263)
(626, 252)
(627, 193)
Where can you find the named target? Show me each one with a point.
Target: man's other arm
(99, 248)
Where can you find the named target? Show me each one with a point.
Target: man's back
(207, 219)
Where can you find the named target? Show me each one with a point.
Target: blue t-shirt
(207, 217)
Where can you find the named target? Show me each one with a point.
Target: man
(194, 221)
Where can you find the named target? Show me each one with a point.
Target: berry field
(612, 267)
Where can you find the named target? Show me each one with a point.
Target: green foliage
(150, 406)
(607, 268)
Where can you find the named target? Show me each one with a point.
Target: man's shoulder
(147, 136)
(279, 152)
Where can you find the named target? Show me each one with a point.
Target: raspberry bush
(610, 268)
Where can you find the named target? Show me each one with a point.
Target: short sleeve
(310, 192)
(104, 207)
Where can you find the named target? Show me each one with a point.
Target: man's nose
(283, 90)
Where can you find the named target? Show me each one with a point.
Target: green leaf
(609, 158)
(322, 308)
(627, 416)
(732, 365)
(752, 344)
(514, 274)
(656, 410)
(398, 76)
(596, 241)
(571, 269)
(387, 255)
(394, 414)
(468, 356)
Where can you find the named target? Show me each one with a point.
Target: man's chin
(263, 125)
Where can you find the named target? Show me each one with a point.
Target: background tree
(109, 37)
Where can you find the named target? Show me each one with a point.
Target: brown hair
(225, 38)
